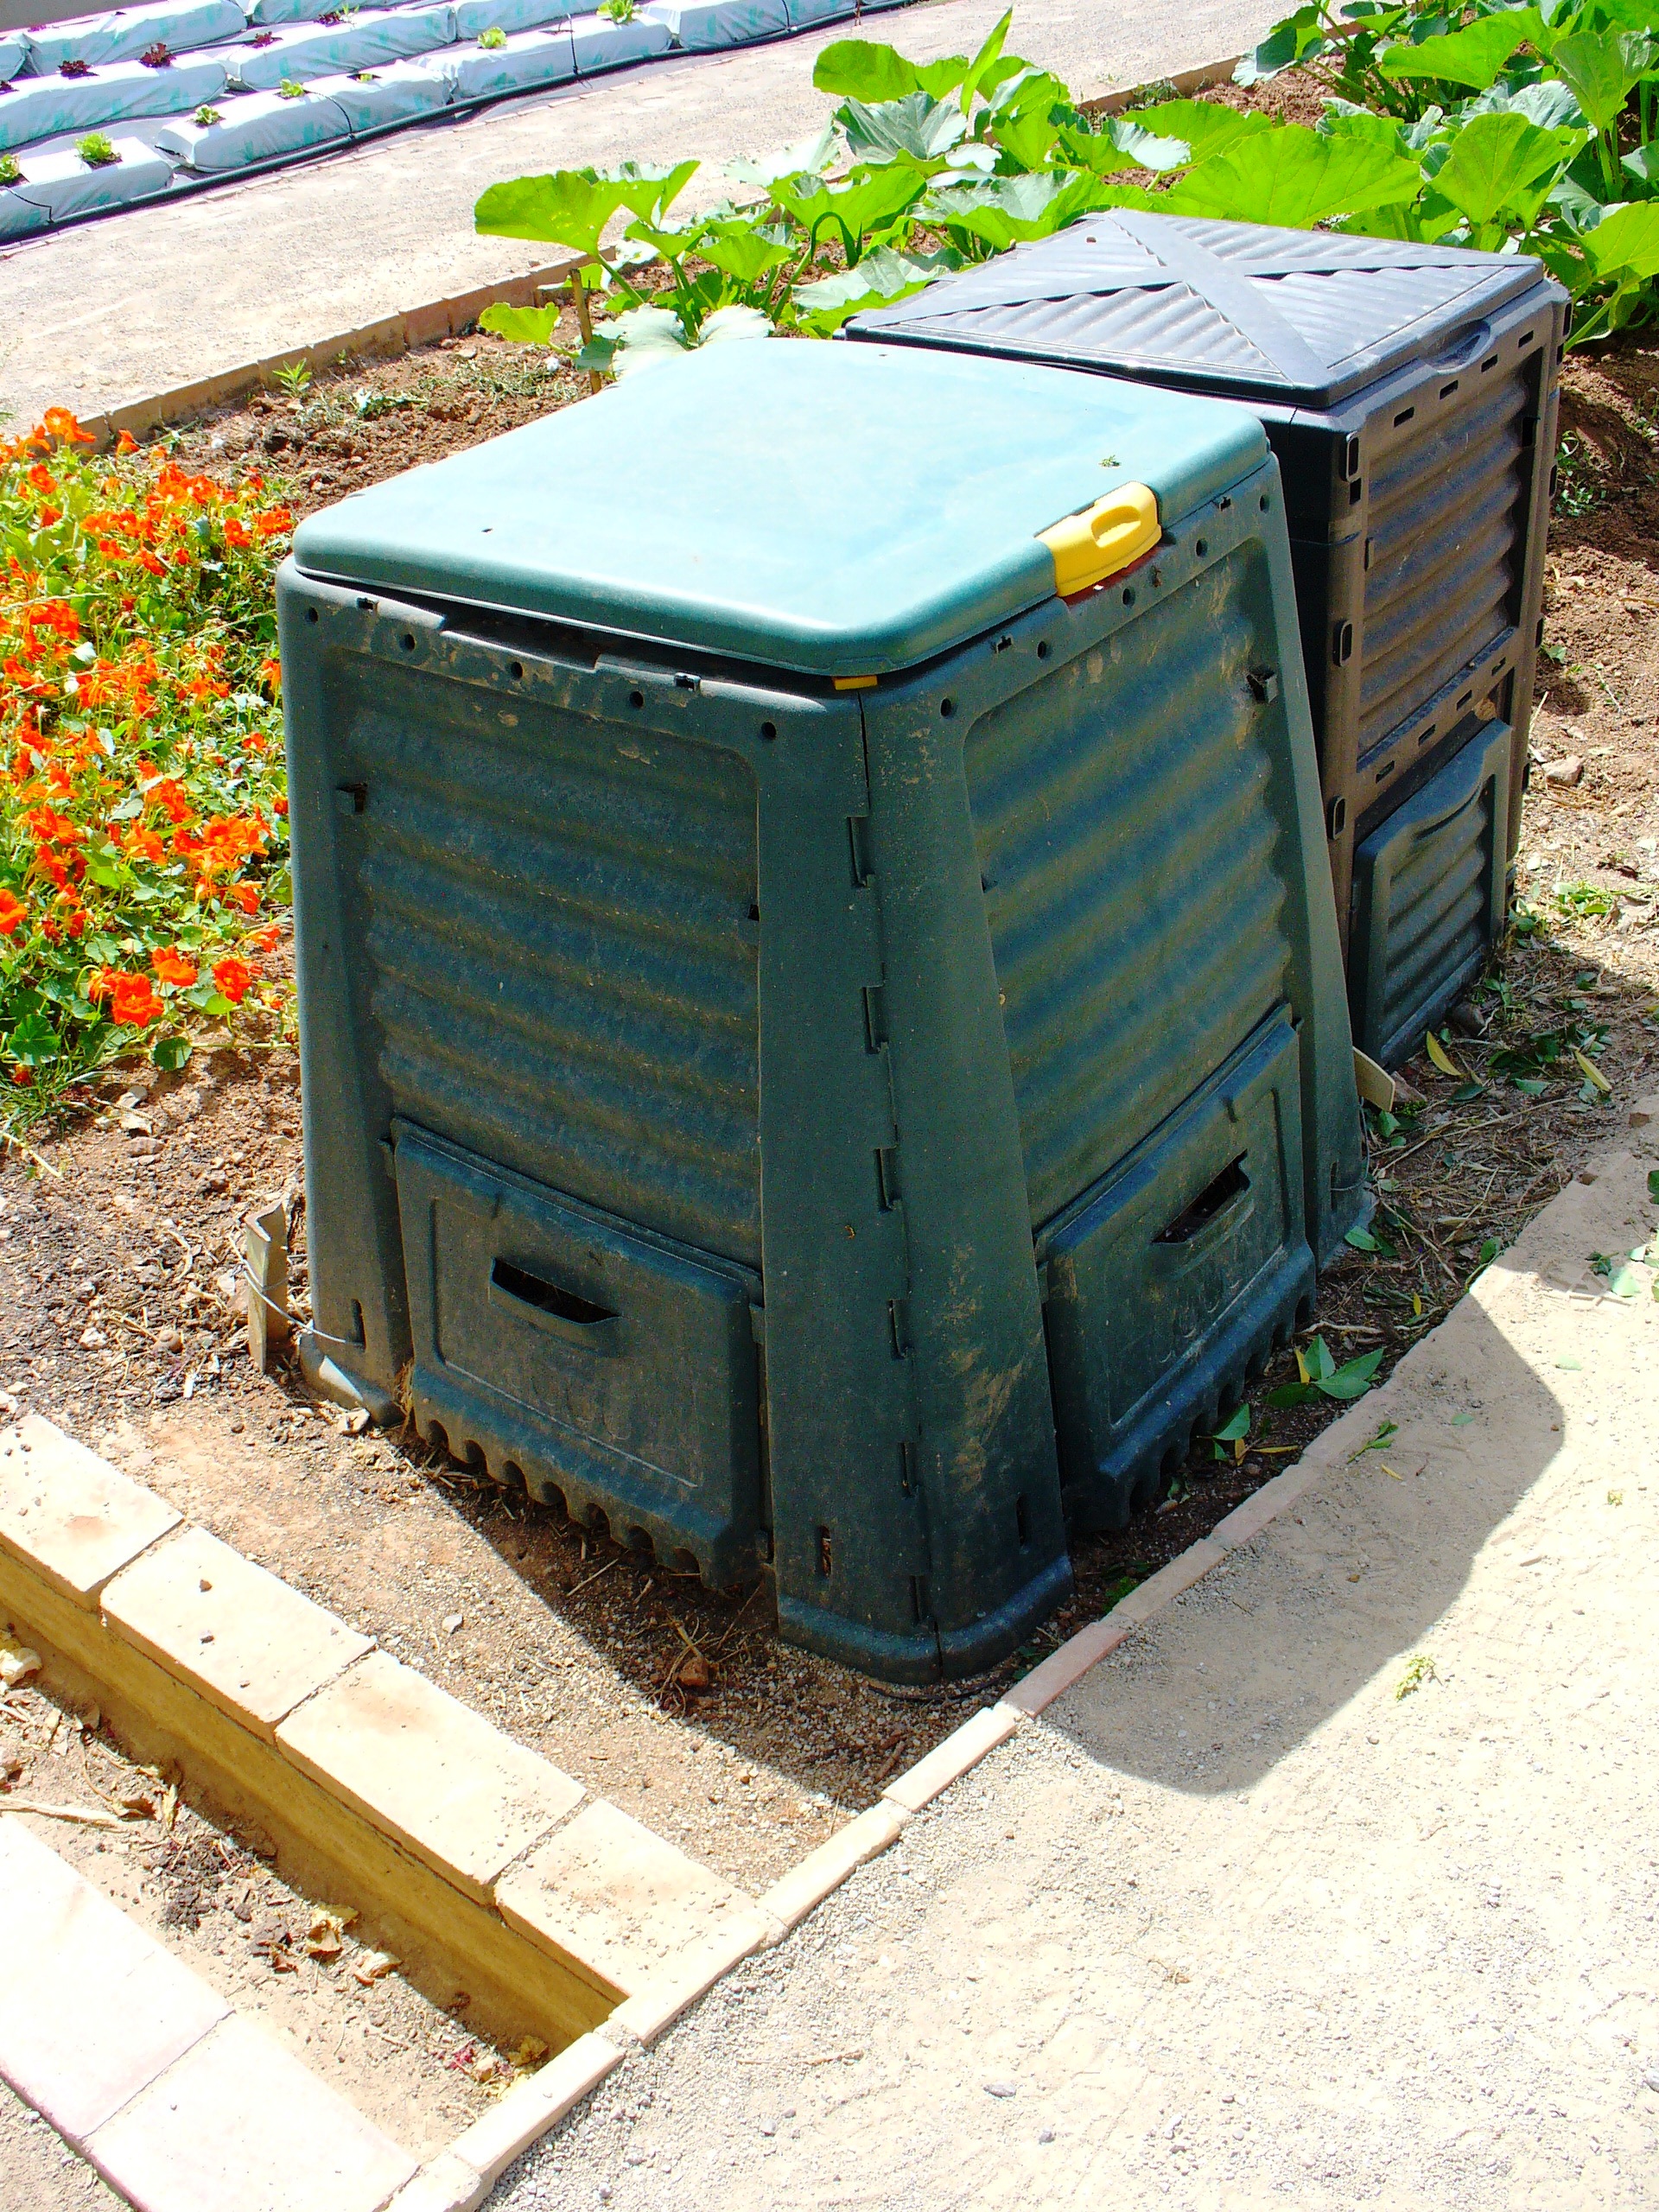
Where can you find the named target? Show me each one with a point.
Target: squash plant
(1489, 125)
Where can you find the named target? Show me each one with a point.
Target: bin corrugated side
(1410, 393)
(703, 1061)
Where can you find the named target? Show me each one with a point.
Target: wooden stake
(266, 1274)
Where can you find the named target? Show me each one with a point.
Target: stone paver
(618, 1900)
(428, 1770)
(92, 2009)
(70, 1514)
(1330, 1886)
(531, 2107)
(238, 1634)
(238, 2126)
(113, 311)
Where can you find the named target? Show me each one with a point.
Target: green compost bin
(818, 1049)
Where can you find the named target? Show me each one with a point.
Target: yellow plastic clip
(1103, 538)
(854, 683)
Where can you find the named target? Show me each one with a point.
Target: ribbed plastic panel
(1429, 893)
(1115, 822)
(1447, 534)
(561, 953)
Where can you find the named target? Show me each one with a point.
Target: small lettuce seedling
(96, 151)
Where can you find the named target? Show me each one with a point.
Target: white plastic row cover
(56, 187)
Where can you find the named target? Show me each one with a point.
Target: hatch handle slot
(1463, 345)
(1217, 1206)
(554, 1309)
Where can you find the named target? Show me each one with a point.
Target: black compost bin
(1409, 392)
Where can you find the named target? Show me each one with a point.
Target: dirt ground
(564, 1639)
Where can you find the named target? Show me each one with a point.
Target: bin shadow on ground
(1343, 1589)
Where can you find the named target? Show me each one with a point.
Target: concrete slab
(238, 2126)
(92, 2009)
(69, 1514)
(236, 1633)
(1331, 1885)
(107, 314)
(428, 1770)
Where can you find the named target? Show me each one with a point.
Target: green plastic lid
(844, 511)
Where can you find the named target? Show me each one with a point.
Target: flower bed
(142, 838)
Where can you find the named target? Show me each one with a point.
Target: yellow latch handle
(1103, 538)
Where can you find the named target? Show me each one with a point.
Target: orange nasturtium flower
(12, 911)
(173, 968)
(126, 442)
(59, 422)
(133, 1001)
(232, 976)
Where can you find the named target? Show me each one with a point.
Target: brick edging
(395, 335)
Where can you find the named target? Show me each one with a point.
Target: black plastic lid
(1301, 317)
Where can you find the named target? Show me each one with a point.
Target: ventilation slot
(1231, 1183)
(547, 1297)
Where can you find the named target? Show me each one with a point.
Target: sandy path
(1236, 1924)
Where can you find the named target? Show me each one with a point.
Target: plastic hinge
(1089, 547)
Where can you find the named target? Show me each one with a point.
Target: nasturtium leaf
(524, 325)
(33, 1043)
(170, 1054)
(1472, 57)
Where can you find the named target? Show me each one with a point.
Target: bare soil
(575, 1645)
